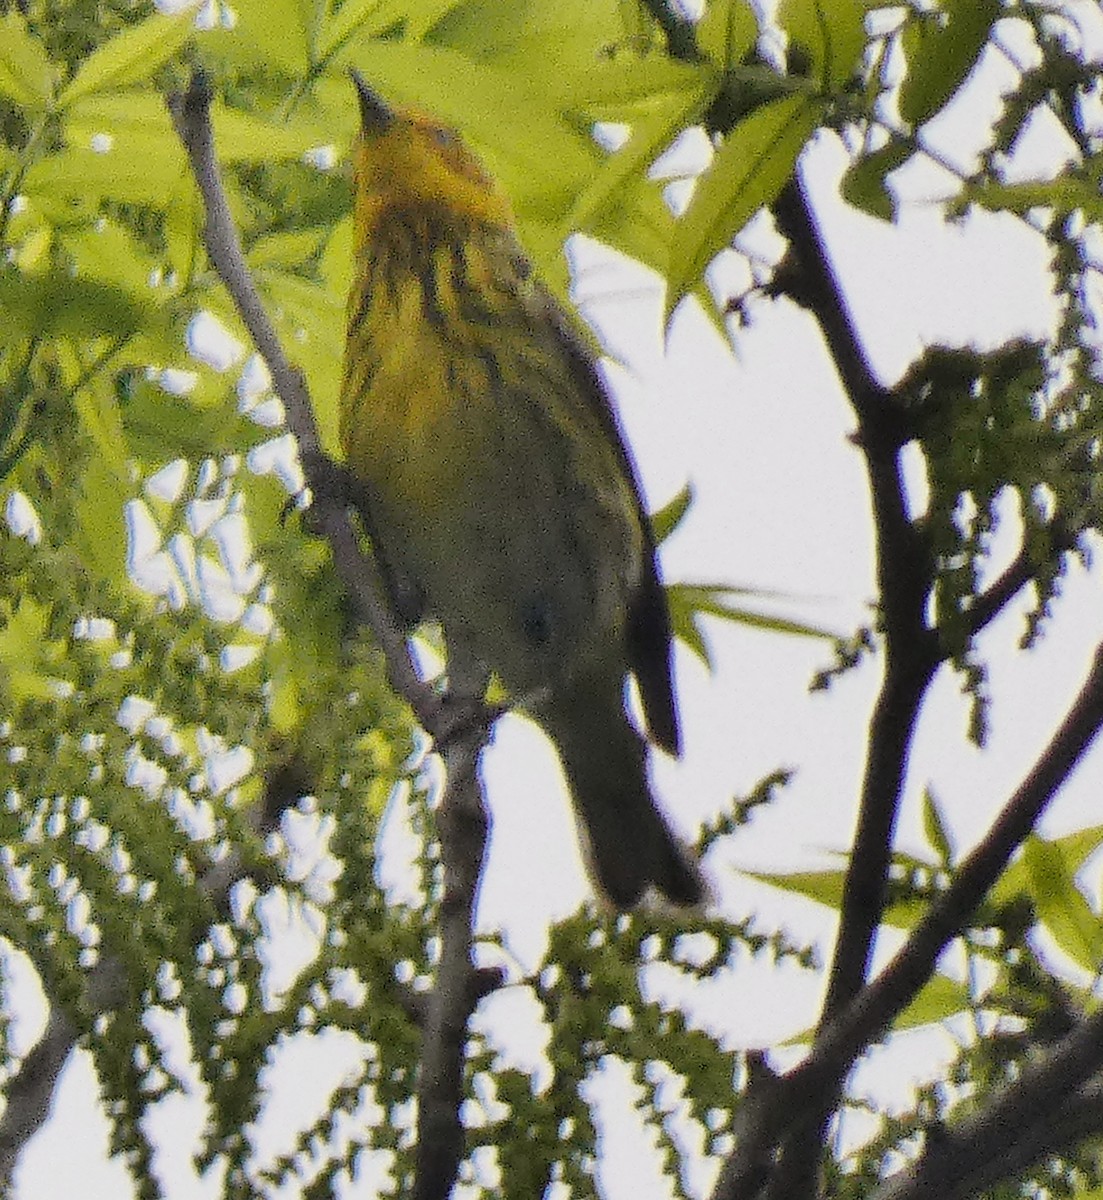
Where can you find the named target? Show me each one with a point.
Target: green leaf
(27, 654)
(1076, 848)
(184, 217)
(57, 304)
(1060, 905)
(625, 88)
(1066, 194)
(727, 32)
(940, 51)
(311, 318)
(939, 999)
(831, 32)
(102, 540)
(98, 412)
(934, 826)
(550, 39)
(688, 602)
(26, 75)
(131, 56)
(671, 515)
(154, 420)
(416, 18)
(863, 184)
(344, 23)
(272, 34)
(121, 145)
(133, 118)
(653, 129)
(824, 887)
(108, 252)
(749, 170)
(85, 177)
(243, 137)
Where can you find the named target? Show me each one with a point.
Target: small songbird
(499, 496)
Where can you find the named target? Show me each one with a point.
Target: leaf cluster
(139, 879)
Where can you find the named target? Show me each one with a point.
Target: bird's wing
(649, 628)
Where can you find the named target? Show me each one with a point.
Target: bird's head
(403, 161)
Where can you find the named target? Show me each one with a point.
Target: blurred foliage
(221, 717)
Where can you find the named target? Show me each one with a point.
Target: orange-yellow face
(403, 160)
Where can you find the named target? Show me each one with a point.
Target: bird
(497, 492)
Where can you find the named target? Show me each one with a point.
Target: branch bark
(462, 817)
(462, 823)
(1053, 1106)
(29, 1094)
(782, 1103)
(905, 577)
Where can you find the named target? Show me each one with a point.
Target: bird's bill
(375, 113)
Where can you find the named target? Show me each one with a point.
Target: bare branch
(905, 577)
(459, 726)
(462, 822)
(30, 1092)
(191, 117)
(872, 1011)
(1045, 1111)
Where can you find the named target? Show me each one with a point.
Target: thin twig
(461, 816)
(988, 605)
(190, 114)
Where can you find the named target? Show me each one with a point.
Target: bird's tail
(631, 847)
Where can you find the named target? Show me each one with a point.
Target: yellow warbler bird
(498, 494)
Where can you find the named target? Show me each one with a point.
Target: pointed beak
(375, 114)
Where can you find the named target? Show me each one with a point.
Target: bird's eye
(444, 138)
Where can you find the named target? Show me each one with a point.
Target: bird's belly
(519, 532)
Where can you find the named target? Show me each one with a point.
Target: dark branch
(905, 577)
(462, 823)
(873, 1010)
(1046, 1111)
(994, 599)
(892, 990)
(854, 1016)
(29, 1094)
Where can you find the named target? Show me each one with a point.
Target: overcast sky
(781, 506)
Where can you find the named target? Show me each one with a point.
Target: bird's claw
(456, 716)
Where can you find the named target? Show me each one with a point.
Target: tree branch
(905, 577)
(1045, 1111)
(462, 818)
(29, 1094)
(839, 1042)
(190, 114)
(462, 823)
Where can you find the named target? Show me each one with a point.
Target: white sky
(781, 506)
